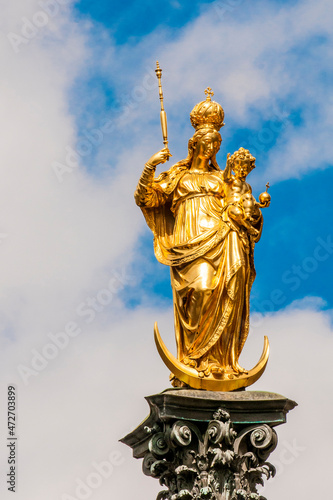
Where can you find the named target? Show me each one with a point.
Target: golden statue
(205, 223)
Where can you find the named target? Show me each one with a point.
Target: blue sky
(299, 212)
(80, 286)
(129, 21)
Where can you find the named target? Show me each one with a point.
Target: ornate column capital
(217, 450)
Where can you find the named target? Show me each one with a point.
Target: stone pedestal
(209, 445)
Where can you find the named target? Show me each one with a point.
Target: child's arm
(227, 173)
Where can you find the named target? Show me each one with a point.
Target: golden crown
(207, 113)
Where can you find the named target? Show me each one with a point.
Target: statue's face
(208, 145)
(242, 168)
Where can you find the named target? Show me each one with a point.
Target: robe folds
(211, 263)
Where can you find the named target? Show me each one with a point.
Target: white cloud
(74, 411)
(300, 368)
(265, 63)
(65, 239)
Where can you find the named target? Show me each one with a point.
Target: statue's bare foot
(239, 370)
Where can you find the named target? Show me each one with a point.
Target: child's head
(242, 162)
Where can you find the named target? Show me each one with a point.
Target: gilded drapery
(211, 263)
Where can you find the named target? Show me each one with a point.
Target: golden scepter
(163, 116)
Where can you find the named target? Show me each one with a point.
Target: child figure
(242, 206)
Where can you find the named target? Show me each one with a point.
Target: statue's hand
(265, 204)
(160, 157)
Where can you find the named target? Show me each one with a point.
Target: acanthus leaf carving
(210, 461)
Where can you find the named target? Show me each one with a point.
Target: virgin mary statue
(207, 237)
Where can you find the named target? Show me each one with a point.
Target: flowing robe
(211, 262)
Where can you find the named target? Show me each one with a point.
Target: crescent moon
(190, 375)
